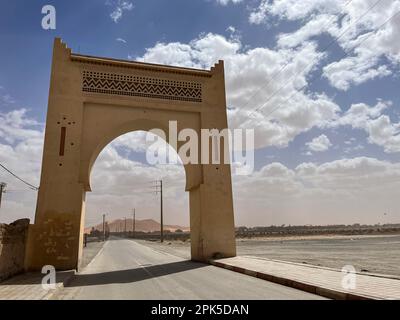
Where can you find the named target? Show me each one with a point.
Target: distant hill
(147, 225)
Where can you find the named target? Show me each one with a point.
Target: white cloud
(314, 27)
(226, 2)
(319, 144)
(119, 6)
(384, 133)
(354, 70)
(16, 127)
(21, 145)
(136, 142)
(379, 127)
(358, 147)
(231, 29)
(356, 24)
(342, 191)
(369, 44)
(120, 183)
(121, 40)
(6, 99)
(291, 9)
(248, 74)
(323, 194)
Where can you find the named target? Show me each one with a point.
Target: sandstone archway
(94, 100)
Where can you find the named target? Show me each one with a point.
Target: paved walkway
(323, 281)
(28, 286)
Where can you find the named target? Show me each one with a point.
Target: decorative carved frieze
(128, 85)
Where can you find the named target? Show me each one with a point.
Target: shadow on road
(133, 275)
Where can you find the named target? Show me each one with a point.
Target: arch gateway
(94, 100)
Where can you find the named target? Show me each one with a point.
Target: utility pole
(125, 228)
(159, 188)
(161, 209)
(3, 186)
(104, 227)
(133, 222)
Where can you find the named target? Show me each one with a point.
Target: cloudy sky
(317, 79)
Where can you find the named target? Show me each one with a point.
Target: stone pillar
(211, 203)
(211, 219)
(55, 237)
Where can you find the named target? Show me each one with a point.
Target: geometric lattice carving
(119, 84)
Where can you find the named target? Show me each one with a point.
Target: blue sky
(344, 116)
(87, 28)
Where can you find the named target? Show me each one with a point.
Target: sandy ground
(317, 237)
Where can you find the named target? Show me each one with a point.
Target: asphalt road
(125, 269)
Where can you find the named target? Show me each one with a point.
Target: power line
(15, 191)
(31, 186)
(159, 189)
(285, 65)
(104, 227)
(296, 74)
(116, 192)
(344, 56)
(133, 222)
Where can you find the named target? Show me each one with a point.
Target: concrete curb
(304, 286)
